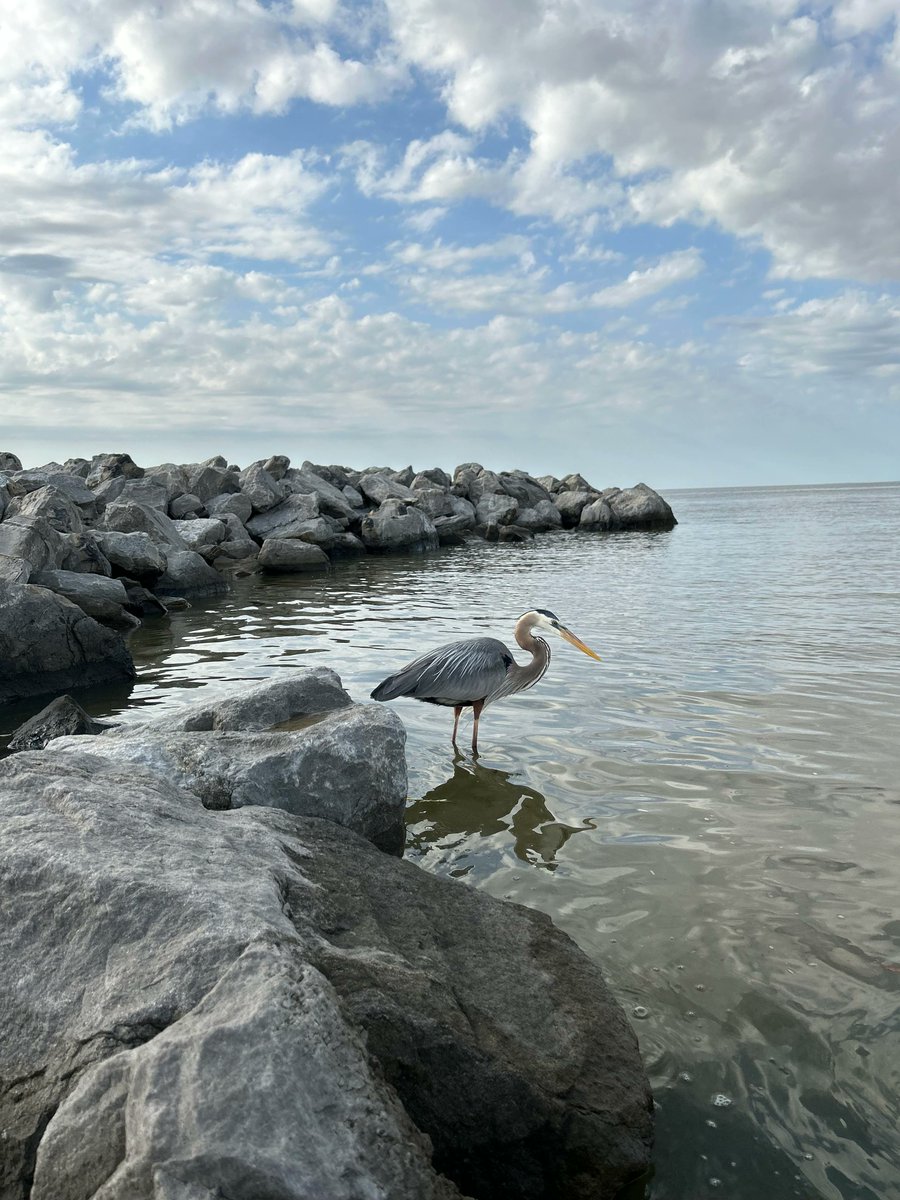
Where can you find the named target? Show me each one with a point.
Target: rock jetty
(213, 982)
(88, 548)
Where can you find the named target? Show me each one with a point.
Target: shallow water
(713, 812)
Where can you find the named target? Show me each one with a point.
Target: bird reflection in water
(483, 802)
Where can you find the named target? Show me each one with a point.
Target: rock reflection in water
(478, 800)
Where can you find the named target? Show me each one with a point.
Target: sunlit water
(712, 813)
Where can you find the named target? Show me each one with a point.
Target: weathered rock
(290, 696)
(576, 483)
(569, 505)
(405, 476)
(277, 465)
(330, 499)
(51, 505)
(550, 483)
(47, 644)
(642, 508)
(545, 515)
(184, 507)
(348, 767)
(100, 597)
(112, 466)
(133, 554)
(72, 487)
(242, 1001)
(141, 601)
(378, 486)
(144, 491)
(463, 476)
(187, 573)
(138, 518)
(514, 533)
(434, 501)
(14, 570)
(231, 502)
(524, 488)
(352, 496)
(77, 466)
(34, 540)
(283, 556)
(63, 717)
(204, 531)
(434, 476)
(4, 496)
(212, 478)
(398, 526)
(260, 488)
(450, 530)
(237, 542)
(9, 462)
(485, 483)
(287, 520)
(598, 516)
(346, 545)
(82, 553)
(171, 477)
(496, 509)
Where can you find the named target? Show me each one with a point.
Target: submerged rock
(63, 717)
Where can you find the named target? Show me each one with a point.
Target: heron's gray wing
(458, 673)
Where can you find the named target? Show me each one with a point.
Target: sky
(656, 240)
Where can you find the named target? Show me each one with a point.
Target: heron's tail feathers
(390, 688)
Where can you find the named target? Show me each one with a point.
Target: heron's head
(543, 619)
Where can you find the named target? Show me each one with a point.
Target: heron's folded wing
(458, 673)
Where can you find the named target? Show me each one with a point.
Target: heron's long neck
(540, 656)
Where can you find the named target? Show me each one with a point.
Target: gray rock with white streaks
(433, 477)
(98, 596)
(47, 644)
(286, 520)
(187, 573)
(201, 531)
(231, 502)
(378, 486)
(212, 478)
(138, 518)
(576, 483)
(398, 526)
(144, 491)
(82, 553)
(72, 487)
(171, 477)
(34, 540)
(14, 570)
(348, 767)
(284, 556)
(434, 501)
(524, 488)
(63, 717)
(330, 499)
(52, 505)
(112, 466)
(496, 508)
(182, 508)
(134, 554)
(485, 483)
(260, 488)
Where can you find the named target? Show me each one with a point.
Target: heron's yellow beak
(578, 643)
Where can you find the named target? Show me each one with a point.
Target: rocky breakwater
(88, 548)
(212, 981)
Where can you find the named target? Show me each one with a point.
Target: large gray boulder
(485, 483)
(260, 488)
(201, 532)
(378, 486)
(9, 462)
(112, 466)
(231, 502)
(139, 518)
(133, 554)
(171, 477)
(101, 598)
(253, 1004)
(145, 491)
(641, 508)
(524, 487)
(545, 515)
(570, 504)
(398, 526)
(285, 556)
(51, 505)
(598, 516)
(330, 499)
(496, 508)
(82, 553)
(14, 569)
(434, 501)
(187, 573)
(48, 644)
(211, 478)
(288, 519)
(33, 540)
(72, 487)
(348, 767)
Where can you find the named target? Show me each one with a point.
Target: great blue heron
(478, 671)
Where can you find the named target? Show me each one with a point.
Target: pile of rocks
(202, 994)
(118, 541)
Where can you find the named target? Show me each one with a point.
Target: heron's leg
(476, 712)
(456, 711)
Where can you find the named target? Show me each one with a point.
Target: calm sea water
(712, 812)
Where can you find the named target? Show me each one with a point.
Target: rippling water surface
(712, 812)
